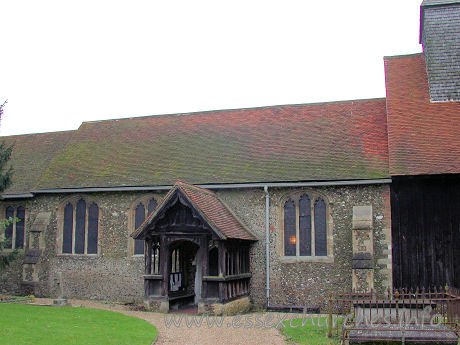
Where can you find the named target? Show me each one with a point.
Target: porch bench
(180, 296)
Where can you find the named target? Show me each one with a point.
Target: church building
(275, 206)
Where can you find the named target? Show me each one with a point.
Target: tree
(6, 256)
(5, 170)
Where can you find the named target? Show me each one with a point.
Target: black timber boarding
(425, 217)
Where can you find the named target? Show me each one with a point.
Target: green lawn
(308, 334)
(26, 324)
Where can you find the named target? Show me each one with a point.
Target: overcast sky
(65, 62)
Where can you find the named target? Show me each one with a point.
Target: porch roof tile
(215, 212)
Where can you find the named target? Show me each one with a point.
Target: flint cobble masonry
(114, 274)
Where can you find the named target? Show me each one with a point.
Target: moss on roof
(31, 156)
(329, 141)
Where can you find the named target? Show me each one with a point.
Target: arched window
(290, 237)
(305, 226)
(141, 209)
(80, 227)
(15, 231)
(139, 217)
(320, 228)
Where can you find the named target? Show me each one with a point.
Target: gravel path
(202, 335)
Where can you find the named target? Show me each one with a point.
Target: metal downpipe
(267, 244)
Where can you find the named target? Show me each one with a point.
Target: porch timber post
(164, 264)
(148, 264)
(204, 265)
(238, 260)
(222, 286)
(148, 256)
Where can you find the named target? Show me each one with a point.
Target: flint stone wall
(114, 274)
(310, 283)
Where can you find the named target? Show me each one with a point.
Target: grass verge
(27, 324)
(309, 333)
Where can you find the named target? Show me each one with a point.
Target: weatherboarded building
(281, 204)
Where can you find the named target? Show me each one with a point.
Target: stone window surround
(14, 205)
(313, 195)
(60, 225)
(145, 199)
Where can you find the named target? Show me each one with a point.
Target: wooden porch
(189, 254)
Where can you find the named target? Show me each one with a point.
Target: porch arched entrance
(184, 273)
(195, 250)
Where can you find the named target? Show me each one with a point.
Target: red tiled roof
(310, 142)
(31, 156)
(423, 137)
(206, 202)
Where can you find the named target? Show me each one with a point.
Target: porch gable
(206, 211)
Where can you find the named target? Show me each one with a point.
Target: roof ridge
(438, 3)
(198, 189)
(402, 56)
(201, 112)
(32, 134)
